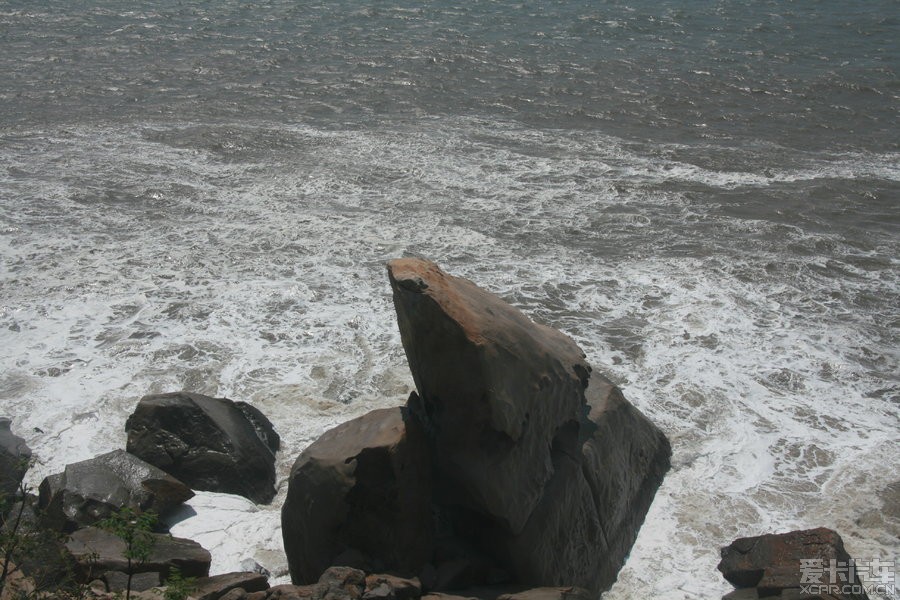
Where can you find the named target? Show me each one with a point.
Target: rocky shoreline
(513, 472)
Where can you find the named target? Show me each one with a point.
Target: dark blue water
(805, 75)
(706, 195)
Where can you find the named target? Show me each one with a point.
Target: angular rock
(497, 391)
(14, 457)
(213, 588)
(89, 491)
(547, 465)
(211, 444)
(624, 461)
(96, 550)
(771, 563)
(363, 488)
(542, 473)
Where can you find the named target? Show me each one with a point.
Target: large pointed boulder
(511, 464)
(498, 392)
(212, 444)
(556, 469)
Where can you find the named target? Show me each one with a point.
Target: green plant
(15, 541)
(33, 561)
(135, 529)
(178, 587)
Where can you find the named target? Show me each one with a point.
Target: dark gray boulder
(91, 490)
(512, 464)
(95, 551)
(14, 457)
(498, 392)
(361, 491)
(547, 465)
(211, 444)
(592, 508)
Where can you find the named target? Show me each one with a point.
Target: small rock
(441, 596)
(550, 593)
(294, 592)
(344, 583)
(212, 588)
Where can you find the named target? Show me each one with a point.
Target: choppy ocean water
(706, 196)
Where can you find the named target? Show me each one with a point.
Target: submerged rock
(91, 490)
(212, 444)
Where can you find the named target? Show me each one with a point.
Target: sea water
(704, 195)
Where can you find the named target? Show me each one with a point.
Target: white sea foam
(197, 257)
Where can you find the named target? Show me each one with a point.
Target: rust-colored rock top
(495, 387)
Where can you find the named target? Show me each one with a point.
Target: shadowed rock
(211, 444)
(553, 468)
(97, 551)
(497, 391)
(542, 473)
(14, 457)
(91, 490)
(363, 489)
